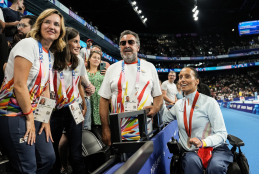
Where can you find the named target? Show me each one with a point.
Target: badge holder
(44, 109)
(76, 112)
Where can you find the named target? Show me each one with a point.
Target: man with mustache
(24, 26)
(12, 18)
(131, 77)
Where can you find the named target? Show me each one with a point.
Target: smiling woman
(27, 78)
(201, 128)
(68, 72)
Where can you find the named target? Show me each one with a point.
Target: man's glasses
(130, 42)
(22, 25)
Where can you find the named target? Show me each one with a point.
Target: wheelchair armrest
(234, 141)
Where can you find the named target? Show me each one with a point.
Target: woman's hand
(103, 71)
(196, 142)
(30, 134)
(46, 127)
(84, 108)
(90, 90)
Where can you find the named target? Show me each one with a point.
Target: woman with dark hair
(26, 141)
(201, 128)
(68, 71)
(96, 78)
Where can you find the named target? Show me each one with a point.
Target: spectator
(96, 78)
(169, 89)
(179, 95)
(3, 54)
(25, 25)
(118, 84)
(12, 18)
(96, 47)
(85, 52)
(30, 148)
(68, 71)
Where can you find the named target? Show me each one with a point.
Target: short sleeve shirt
(148, 85)
(85, 53)
(27, 48)
(11, 16)
(171, 90)
(72, 94)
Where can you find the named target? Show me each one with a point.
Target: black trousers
(61, 119)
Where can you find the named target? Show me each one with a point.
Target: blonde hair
(35, 33)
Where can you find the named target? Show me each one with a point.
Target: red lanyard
(189, 131)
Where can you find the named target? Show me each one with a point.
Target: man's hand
(152, 110)
(196, 142)
(106, 136)
(172, 103)
(15, 23)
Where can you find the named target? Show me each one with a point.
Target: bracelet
(28, 112)
(201, 144)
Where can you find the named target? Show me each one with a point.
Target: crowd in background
(230, 86)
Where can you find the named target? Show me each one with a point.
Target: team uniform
(13, 122)
(67, 93)
(208, 125)
(113, 87)
(171, 90)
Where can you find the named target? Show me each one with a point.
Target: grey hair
(172, 72)
(126, 32)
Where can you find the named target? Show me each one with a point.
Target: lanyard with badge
(45, 105)
(74, 108)
(189, 130)
(130, 102)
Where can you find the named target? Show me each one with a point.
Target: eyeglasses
(130, 42)
(22, 25)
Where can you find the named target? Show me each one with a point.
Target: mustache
(127, 49)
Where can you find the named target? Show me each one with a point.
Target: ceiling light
(194, 9)
(197, 11)
(233, 29)
(134, 3)
(136, 8)
(145, 20)
(196, 18)
(142, 17)
(139, 11)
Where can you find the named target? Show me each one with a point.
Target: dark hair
(196, 75)
(62, 58)
(32, 19)
(88, 62)
(126, 32)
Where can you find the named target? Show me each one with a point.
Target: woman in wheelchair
(201, 126)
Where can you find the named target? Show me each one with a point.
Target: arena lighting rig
(195, 11)
(138, 11)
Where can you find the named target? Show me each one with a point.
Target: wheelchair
(239, 165)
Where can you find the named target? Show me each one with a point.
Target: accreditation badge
(76, 112)
(130, 105)
(44, 109)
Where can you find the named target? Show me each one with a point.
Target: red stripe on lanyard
(63, 84)
(189, 131)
